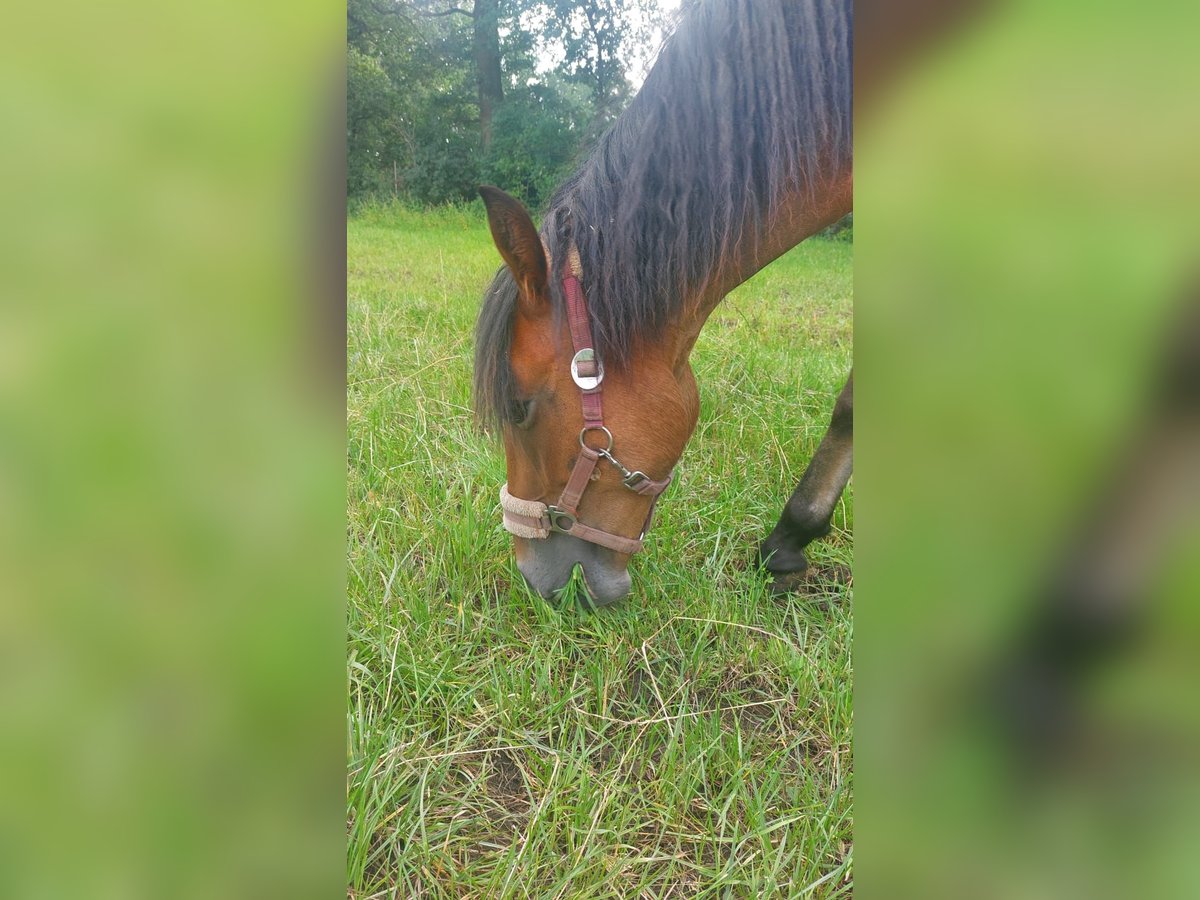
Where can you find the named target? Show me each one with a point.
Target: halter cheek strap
(535, 520)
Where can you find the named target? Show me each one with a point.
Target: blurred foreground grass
(1027, 238)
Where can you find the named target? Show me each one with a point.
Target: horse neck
(799, 215)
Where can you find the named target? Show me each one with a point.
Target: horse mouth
(548, 565)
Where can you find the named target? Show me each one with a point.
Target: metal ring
(588, 428)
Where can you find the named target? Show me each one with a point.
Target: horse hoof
(781, 560)
(813, 580)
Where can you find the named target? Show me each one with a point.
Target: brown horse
(737, 148)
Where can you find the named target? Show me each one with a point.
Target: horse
(737, 147)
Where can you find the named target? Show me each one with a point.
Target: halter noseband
(533, 519)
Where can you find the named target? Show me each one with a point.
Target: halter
(533, 519)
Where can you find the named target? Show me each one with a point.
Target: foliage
(537, 136)
(414, 116)
(596, 39)
(370, 122)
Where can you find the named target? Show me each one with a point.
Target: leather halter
(532, 519)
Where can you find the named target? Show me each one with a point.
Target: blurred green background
(171, 499)
(1027, 235)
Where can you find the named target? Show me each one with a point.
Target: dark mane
(748, 100)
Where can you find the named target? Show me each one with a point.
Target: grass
(694, 741)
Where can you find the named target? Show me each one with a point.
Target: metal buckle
(557, 517)
(587, 382)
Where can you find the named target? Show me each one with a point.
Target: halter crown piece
(534, 519)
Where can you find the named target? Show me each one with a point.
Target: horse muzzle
(547, 565)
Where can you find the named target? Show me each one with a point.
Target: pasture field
(695, 740)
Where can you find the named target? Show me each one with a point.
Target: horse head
(589, 446)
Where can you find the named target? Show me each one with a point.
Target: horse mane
(748, 100)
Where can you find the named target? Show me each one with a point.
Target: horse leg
(807, 514)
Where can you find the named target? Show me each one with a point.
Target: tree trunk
(486, 46)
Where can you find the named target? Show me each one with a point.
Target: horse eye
(524, 414)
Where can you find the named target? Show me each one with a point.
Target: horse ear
(519, 244)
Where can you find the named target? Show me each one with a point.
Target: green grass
(692, 742)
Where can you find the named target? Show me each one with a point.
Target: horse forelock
(494, 393)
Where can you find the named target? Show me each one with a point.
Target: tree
(485, 45)
(538, 137)
(442, 94)
(484, 16)
(597, 37)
